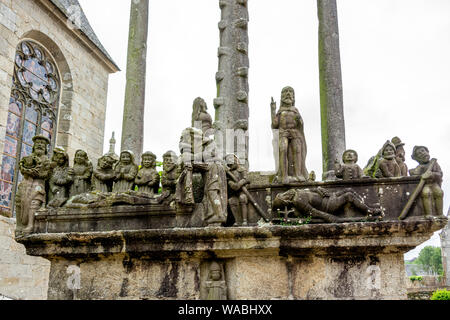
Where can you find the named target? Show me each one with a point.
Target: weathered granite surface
(317, 261)
(391, 194)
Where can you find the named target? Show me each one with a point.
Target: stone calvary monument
(206, 227)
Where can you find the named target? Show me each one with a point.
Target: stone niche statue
(400, 156)
(215, 287)
(432, 194)
(126, 170)
(323, 205)
(200, 117)
(291, 143)
(349, 169)
(80, 173)
(103, 176)
(60, 179)
(30, 195)
(169, 175)
(388, 165)
(147, 178)
(237, 199)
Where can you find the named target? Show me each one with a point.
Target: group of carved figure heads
(54, 182)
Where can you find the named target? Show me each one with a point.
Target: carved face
(232, 161)
(80, 157)
(215, 275)
(400, 154)
(422, 155)
(60, 159)
(288, 96)
(168, 163)
(148, 161)
(389, 152)
(105, 163)
(203, 106)
(350, 157)
(40, 147)
(125, 158)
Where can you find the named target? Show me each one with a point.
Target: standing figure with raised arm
(291, 143)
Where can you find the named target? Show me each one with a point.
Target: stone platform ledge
(218, 242)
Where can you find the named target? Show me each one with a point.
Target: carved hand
(273, 106)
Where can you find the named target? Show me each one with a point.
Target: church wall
(21, 276)
(80, 126)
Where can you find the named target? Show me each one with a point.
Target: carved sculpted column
(232, 80)
(133, 113)
(331, 100)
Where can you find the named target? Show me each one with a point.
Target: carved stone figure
(323, 204)
(215, 195)
(292, 143)
(237, 199)
(30, 195)
(147, 178)
(200, 117)
(169, 175)
(103, 176)
(215, 284)
(190, 145)
(126, 170)
(60, 179)
(432, 194)
(388, 165)
(349, 169)
(80, 173)
(400, 156)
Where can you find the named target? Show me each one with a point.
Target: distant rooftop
(67, 8)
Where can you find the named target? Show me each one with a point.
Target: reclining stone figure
(323, 204)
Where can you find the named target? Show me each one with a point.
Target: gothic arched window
(33, 109)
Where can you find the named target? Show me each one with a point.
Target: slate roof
(66, 7)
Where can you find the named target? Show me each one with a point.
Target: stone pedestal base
(321, 261)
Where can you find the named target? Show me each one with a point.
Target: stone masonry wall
(85, 78)
(80, 126)
(21, 276)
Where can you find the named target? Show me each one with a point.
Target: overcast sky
(395, 57)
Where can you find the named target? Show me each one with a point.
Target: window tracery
(33, 109)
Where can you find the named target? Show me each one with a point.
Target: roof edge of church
(65, 6)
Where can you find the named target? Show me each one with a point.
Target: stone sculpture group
(215, 188)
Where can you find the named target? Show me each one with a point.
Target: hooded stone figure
(216, 198)
(388, 165)
(103, 176)
(200, 117)
(81, 174)
(126, 170)
(147, 178)
(60, 179)
(400, 156)
(215, 285)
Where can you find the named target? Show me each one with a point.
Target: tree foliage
(430, 259)
(441, 295)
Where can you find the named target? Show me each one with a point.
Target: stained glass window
(33, 109)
